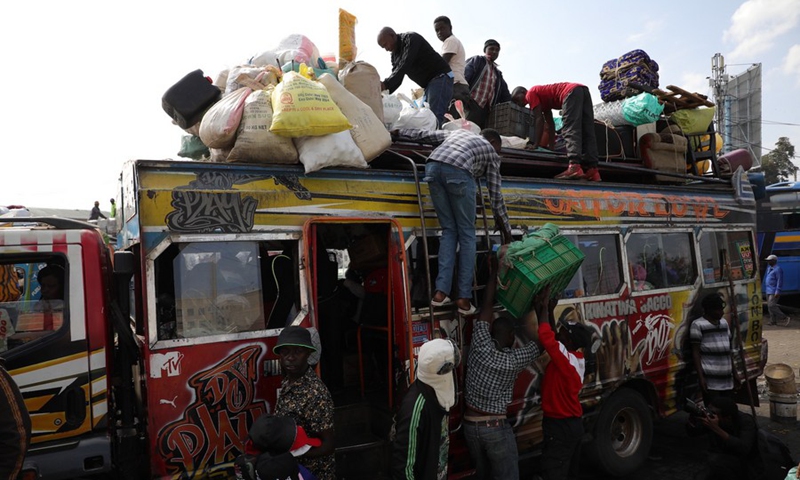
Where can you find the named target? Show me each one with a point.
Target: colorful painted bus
(169, 350)
(778, 219)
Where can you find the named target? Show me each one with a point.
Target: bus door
(54, 346)
(215, 305)
(358, 286)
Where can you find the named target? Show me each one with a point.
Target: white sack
(334, 150)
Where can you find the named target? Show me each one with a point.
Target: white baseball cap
(771, 257)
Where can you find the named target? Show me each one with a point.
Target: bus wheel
(623, 434)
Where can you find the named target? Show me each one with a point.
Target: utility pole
(719, 83)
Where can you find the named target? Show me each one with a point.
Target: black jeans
(577, 113)
(562, 448)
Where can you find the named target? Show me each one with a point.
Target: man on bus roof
(577, 113)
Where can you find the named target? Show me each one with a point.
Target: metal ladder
(423, 210)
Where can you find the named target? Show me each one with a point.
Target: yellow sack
(303, 108)
(347, 37)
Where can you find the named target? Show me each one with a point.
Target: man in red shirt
(577, 114)
(562, 424)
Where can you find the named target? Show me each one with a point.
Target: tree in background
(777, 165)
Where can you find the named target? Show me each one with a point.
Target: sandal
(441, 303)
(470, 311)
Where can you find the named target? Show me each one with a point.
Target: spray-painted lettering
(212, 430)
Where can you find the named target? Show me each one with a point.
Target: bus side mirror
(123, 263)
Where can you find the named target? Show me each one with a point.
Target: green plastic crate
(554, 264)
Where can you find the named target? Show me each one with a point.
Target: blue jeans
(438, 94)
(453, 194)
(494, 451)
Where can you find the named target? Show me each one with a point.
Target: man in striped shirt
(711, 350)
(451, 171)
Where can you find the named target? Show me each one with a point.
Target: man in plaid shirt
(492, 369)
(451, 171)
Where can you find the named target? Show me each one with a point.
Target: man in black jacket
(422, 439)
(412, 55)
(486, 85)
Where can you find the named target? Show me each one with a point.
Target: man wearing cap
(773, 285)
(492, 369)
(710, 337)
(486, 85)
(422, 439)
(562, 423)
(412, 55)
(306, 399)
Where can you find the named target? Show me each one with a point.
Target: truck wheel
(623, 434)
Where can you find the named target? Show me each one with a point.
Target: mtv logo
(165, 363)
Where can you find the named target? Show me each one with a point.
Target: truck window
(661, 260)
(600, 272)
(213, 288)
(737, 247)
(33, 300)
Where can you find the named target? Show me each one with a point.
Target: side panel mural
(205, 416)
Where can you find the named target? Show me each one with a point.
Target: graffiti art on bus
(599, 204)
(215, 210)
(211, 431)
(208, 212)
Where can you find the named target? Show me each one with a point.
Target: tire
(623, 434)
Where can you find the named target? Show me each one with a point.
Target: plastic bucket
(780, 379)
(783, 408)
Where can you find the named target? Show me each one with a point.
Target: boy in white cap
(421, 425)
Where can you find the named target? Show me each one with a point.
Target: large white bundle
(415, 115)
(334, 150)
(368, 131)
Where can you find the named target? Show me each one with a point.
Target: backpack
(775, 456)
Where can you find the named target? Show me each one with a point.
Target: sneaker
(592, 175)
(574, 172)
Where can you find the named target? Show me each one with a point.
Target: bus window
(215, 288)
(660, 260)
(600, 272)
(738, 249)
(33, 299)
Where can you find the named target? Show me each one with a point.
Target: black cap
(277, 467)
(273, 434)
(297, 336)
(712, 301)
(579, 334)
(489, 43)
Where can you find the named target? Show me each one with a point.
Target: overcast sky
(83, 80)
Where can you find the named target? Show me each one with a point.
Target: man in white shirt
(453, 53)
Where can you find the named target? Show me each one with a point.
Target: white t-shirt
(459, 61)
